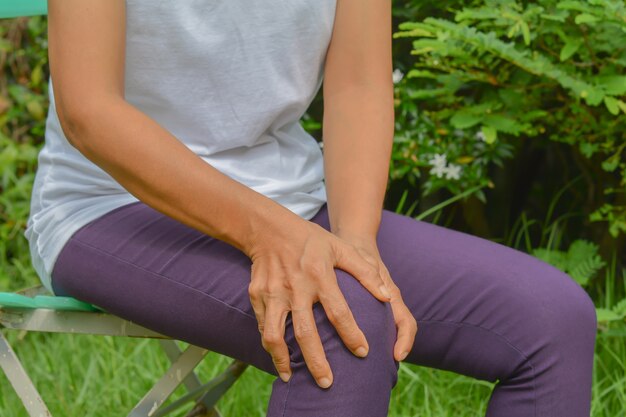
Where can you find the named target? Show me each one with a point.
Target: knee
(580, 311)
(373, 316)
(572, 311)
(376, 321)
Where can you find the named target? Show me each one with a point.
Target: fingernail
(385, 291)
(325, 382)
(285, 376)
(403, 355)
(361, 351)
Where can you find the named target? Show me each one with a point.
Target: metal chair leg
(192, 382)
(20, 380)
(208, 394)
(174, 376)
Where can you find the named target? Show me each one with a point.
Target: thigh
(483, 309)
(151, 269)
(146, 267)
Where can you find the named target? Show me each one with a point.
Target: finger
(257, 305)
(274, 338)
(340, 315)
(305, 330)
(349, 259)
(407, 329)
(405, 321)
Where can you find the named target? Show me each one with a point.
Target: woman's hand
(292, 268)
(405, 322)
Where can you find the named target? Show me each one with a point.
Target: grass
(91, 376)
(81, 375)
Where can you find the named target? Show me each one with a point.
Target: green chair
(35, 309)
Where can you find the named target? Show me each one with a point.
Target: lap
(142, 265)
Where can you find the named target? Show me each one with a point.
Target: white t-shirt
(230, 79)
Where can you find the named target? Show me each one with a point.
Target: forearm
(159, 170)
(358, 136)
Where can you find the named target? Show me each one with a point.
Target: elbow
(72, 128)
(75, 122)
(79, 120)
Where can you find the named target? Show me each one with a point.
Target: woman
(178, 190)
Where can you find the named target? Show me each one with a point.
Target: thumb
(350, 260)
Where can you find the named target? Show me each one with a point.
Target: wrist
(352, 222)
(267, 225)
(356, 235)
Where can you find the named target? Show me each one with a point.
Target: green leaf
(611, 105)
(610, 164)
(477, 14)
(572, 5)
(463, 119)
(513, 30)
(525, 32)
(415, 73)
(561, 17)
(604, 314)
(36, 75)
(620, 307)
(554, 257)
(491, 134)
(533, 114)
(593, 96)
(585, 18)
(428, 45)
(588, 148)
(503, 124)
(583, 261)
(614, 85)
(569, 49)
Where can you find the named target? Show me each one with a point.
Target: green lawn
(86, 376)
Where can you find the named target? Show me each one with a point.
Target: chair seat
(14, 300)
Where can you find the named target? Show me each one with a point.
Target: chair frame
(181, 370)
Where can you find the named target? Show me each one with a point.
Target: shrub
(490, 71)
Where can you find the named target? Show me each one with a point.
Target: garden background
(510, 125)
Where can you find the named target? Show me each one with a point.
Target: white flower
(438, 170)
(397, 76)
(438, 160)
(453, 171)
(440, 167)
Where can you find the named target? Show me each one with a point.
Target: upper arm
(359, 53)
(86, 48)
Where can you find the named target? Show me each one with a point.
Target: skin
(359, 122)
(292, 258)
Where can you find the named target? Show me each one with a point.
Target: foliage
(23, 106)
(618, 312)
(581, 261)
(548, 70)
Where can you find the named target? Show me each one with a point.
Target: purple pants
(483, 309)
